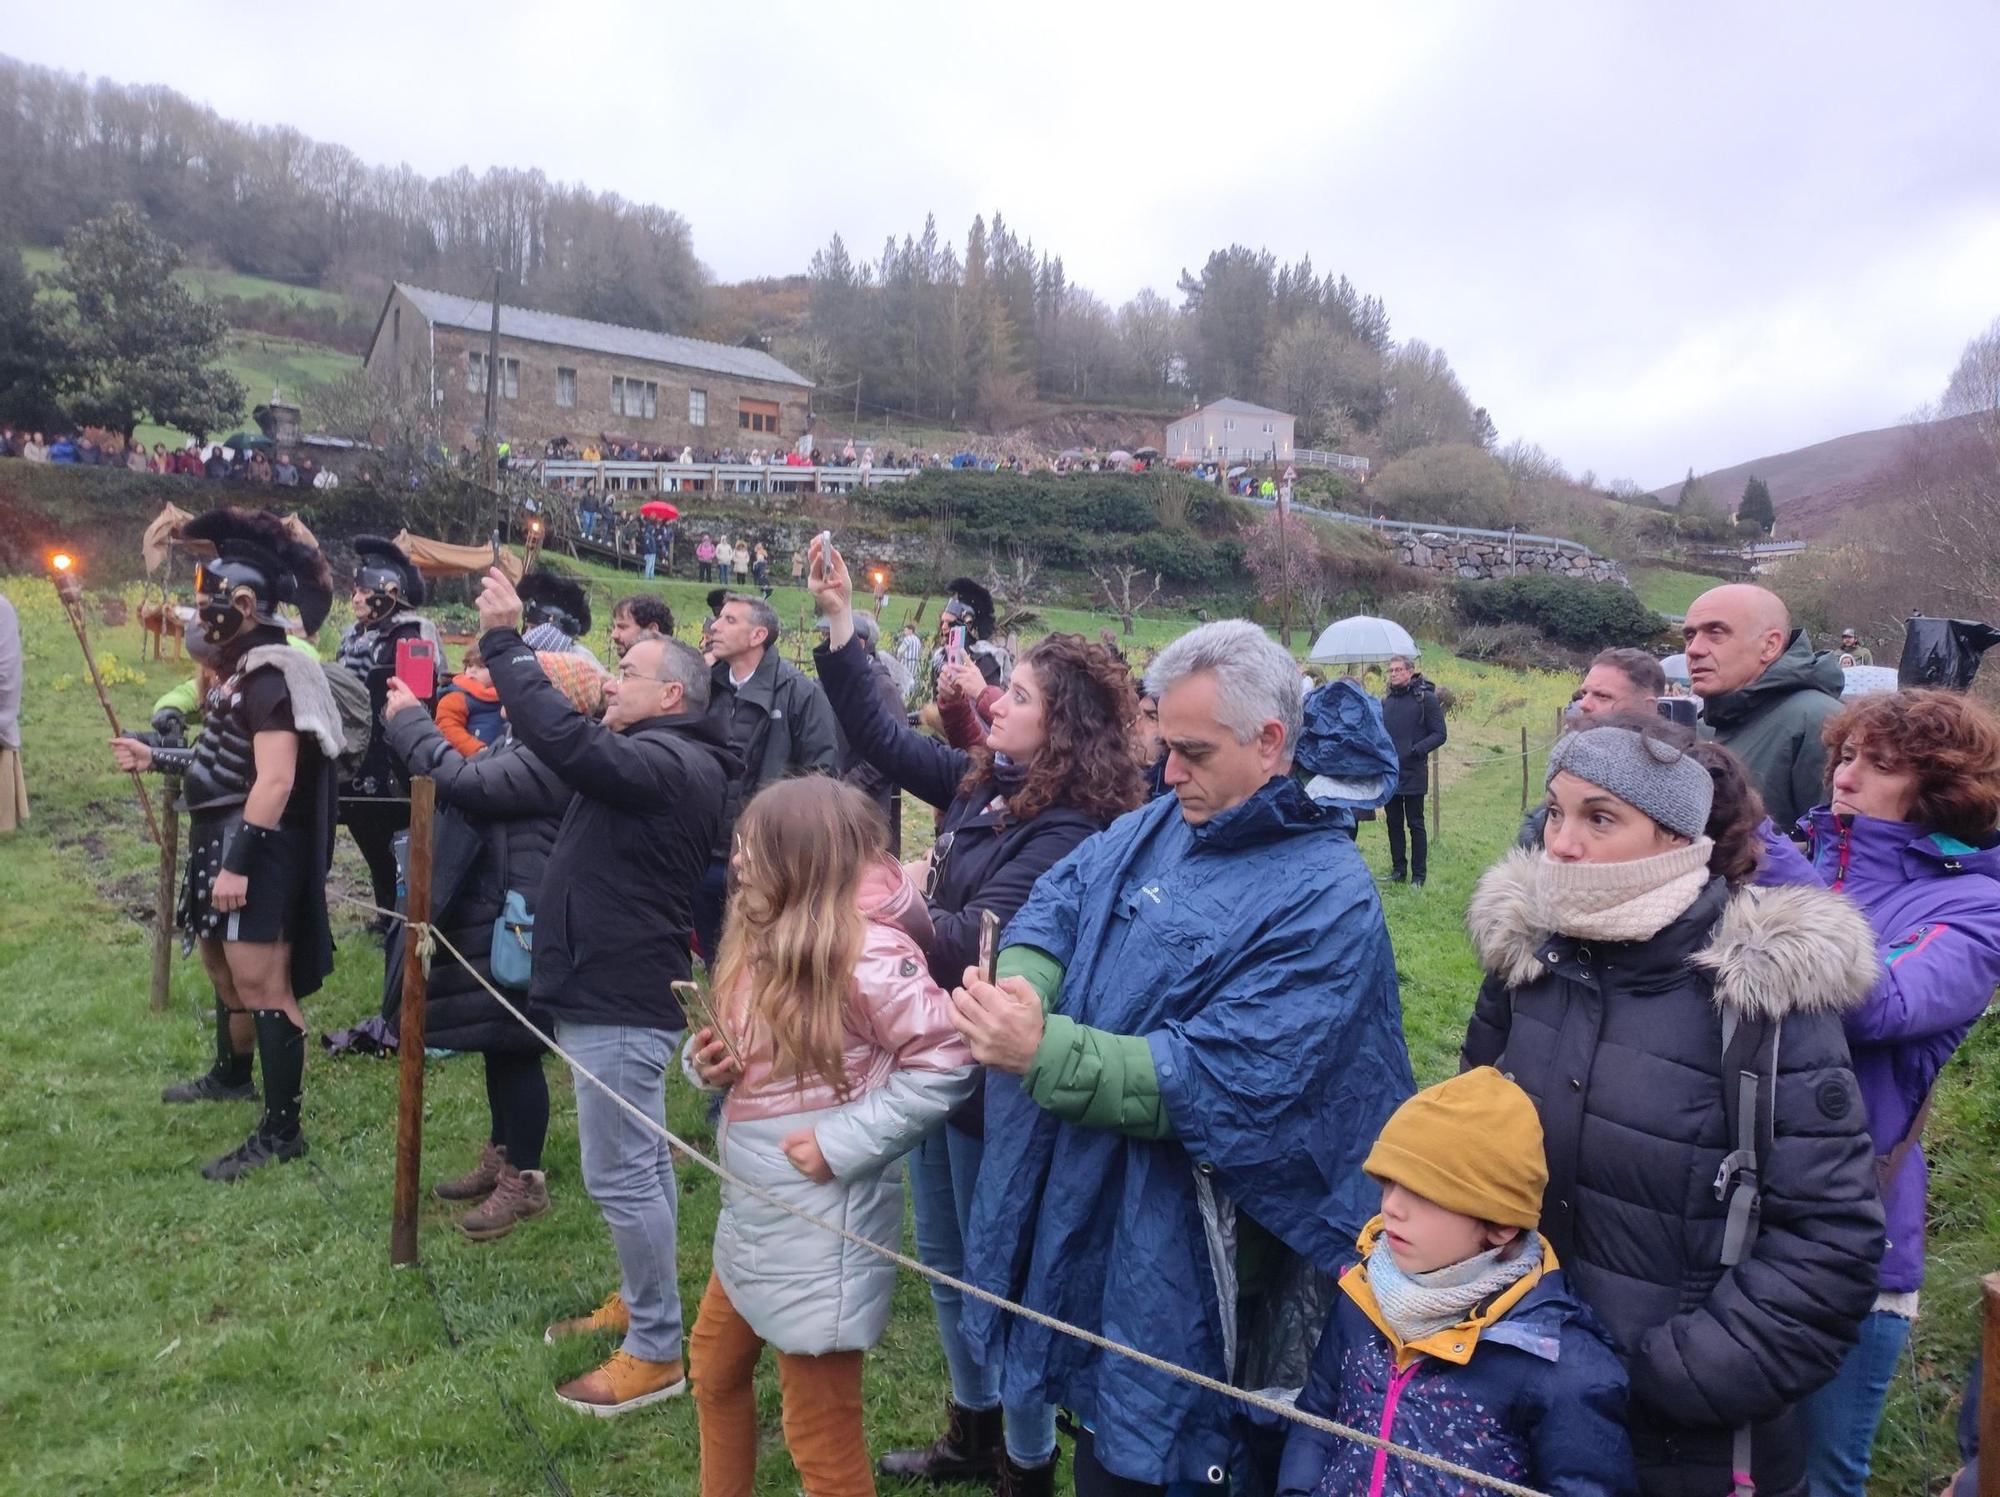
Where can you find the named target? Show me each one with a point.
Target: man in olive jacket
(1765, 693)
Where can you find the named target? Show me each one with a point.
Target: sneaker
(476, 1183)
(254, 1153)
(519, 1195)
(623, 1383)
(209, 1087)
(609, 1316)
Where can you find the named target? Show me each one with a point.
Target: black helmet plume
(382, 569)
(974, 602)
(254, 549)
(550, 598)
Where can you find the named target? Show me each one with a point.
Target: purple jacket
(1934, 904)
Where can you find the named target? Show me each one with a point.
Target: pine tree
(1755, 507)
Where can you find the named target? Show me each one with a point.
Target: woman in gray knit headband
(1634, 978)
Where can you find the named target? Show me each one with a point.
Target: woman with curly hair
(1056, 768)
(1908, 833)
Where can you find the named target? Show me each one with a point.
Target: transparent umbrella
(1362, 640)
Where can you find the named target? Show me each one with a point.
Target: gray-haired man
(1195, 1036)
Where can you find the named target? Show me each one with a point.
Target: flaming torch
(69, 588)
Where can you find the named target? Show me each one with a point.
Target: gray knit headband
(1643, 771)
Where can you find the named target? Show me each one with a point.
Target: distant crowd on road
(94, 448)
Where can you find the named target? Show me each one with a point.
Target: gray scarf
(1422, 1304)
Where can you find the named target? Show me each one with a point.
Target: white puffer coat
(804, 1290)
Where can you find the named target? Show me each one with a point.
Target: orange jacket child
(468, 714)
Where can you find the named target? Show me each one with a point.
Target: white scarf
(1417, 1305)
(1631, 901)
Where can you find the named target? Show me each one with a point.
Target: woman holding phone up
(1054, 769)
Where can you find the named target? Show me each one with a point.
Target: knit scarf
(1417, 1305)
(1631, 901)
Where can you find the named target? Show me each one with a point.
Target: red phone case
(416, 666)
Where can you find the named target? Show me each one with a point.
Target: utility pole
(488, 453)
(1285, 562)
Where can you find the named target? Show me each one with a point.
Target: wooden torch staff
(70, 591)
(163, 900)
(1989, 1390)
(410, 1034)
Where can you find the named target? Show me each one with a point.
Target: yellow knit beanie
(1472, 1144)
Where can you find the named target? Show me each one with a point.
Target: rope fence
(427, 939)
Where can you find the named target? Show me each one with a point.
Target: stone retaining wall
(1464, 558)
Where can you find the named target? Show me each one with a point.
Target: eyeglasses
(939, 853)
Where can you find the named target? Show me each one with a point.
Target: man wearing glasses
(611, 938)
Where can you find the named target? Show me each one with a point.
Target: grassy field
(1668, 591)
(159, 1334)
(265, 363)
(215, 281)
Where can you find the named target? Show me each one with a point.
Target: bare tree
(1014, 591)
(1120, 595)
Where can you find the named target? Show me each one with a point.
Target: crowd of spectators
(95, 448)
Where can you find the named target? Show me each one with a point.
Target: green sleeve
(1085, 1075)
(183, 699)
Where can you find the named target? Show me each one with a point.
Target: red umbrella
(659, 509)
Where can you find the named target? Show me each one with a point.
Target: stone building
(565, 376)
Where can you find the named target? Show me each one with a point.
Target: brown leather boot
(519, 1195)
(476, 1183)
(1027, 1481)
(970, 1449)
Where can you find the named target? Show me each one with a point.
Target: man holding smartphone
(388, 591)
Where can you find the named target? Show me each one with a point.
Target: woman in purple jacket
(1909, 834)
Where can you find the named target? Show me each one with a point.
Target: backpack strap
(1887, 1165)
(1739, 1180)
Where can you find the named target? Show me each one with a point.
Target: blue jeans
(629, 1172)
(652, 557)
(1840, 1419)
(942, 1171)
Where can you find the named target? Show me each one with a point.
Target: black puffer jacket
(1415, 719)
(1620, 1045)
(498, 818)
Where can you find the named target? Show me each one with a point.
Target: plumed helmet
(551, 598)
(969, 604)
(259, 565)
(389, 578)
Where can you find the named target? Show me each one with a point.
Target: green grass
(214, 281)
(1668, 591)
(162, 1335)
(264, 363)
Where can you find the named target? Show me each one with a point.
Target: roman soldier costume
(555, 614)
(970, 607)
(262, 685)
(376, 798)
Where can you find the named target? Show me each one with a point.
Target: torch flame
(62, 561)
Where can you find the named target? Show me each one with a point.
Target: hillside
(1814, 488)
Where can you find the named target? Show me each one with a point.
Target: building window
(510, 378)
(638, 398)
(697, 408)
(1229, 423)
(758, 416)
(1267, 428)
(566, 388)
(475, 373)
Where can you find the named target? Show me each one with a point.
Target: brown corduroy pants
(822, 1408)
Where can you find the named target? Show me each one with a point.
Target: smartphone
(694, 1003)
(989, 946)
(954, 645)
(496, 548)
(826, 553)
(416, 666)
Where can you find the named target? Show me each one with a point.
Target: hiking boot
(519, 1195)
(256, 1151)
(609, 1316)
(1027, 1481)
(209, 1087)
(970, 1449)
(476, 1183)
(621, 1383)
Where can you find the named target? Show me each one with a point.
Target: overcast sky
(1649, 236)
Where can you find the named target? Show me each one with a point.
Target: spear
(62, 567)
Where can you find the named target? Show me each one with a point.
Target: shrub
(1581, 615)
(1516, 646)
(1454, 484)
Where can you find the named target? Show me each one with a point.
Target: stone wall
(1465, 558)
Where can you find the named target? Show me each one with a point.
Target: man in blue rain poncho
(1195, 1037)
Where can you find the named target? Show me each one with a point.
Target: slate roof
(1232, 408)
(473, 315)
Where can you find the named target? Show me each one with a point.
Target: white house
(1232, 429)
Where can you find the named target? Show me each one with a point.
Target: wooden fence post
(163, 894)
(1524, 769)
(1989, 1389)
(1437, 796)
(410, 1034)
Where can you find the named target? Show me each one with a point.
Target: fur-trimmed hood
(1772, 952)
(313, 709)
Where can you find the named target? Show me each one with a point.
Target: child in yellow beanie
(1454, 1335)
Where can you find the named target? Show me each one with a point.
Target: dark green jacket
(1773, 726)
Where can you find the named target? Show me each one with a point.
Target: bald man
(1765, 692)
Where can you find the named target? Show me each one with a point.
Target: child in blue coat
(1454, 1334)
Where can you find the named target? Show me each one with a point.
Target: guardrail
(1316, 457)
(1420, 528)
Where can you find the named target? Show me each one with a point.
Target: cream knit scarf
(1621, 901)
(1417, 1305)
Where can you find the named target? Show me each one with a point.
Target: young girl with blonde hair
(849, 1057)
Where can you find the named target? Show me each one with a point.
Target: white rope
(923, 1270)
